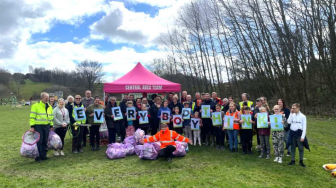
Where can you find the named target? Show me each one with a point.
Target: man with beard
(206, 130)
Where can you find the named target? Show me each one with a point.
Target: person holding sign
(78, 117)
(166, 137)
(113, 126)
(264, 132)
(95, 112)
(164, 113)
(247, 121)
(218, 127)
(143, 118)
(278, 122)
(207, 107)
(177, 120)
(196, 123)
(130, 129)
(233, 134)
(186, 114)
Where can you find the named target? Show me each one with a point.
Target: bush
(22, 82)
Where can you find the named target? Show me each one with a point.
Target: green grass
(201, 167)
(27, 90)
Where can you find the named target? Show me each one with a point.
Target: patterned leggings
(278, 139)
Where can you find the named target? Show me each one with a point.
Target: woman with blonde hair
(61, 122)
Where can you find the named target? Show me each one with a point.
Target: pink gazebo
(140, 80)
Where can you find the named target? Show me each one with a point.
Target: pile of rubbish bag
(147, 151)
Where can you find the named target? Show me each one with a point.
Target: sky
(61, 33)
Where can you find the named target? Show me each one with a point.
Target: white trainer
(56, 153)
(280, 160)
(62, 153)
(276, 159)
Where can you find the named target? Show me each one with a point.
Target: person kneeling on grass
(166, 137)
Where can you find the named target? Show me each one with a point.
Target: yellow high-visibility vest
(39, 115)
(73, 115)
(249, 104)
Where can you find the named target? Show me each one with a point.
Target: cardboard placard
(195, 124)
(262, 120)
(98, 116)
(116, 111)
(205, 111)
(228, 122)
(165, 117)
(217, 119)
(186, 112)
(143, 117)
(131, 115)
(276, 122)
(79, 114)
(246, 124)
(177, 121)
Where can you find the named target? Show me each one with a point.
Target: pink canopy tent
(140, 80)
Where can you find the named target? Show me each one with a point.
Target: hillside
(27, 90)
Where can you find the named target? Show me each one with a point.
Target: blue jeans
(233, 137)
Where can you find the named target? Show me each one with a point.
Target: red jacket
(166, 138)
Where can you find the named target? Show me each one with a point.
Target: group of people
(59, 116)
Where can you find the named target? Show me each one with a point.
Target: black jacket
(297, 134)
(108, 113)
(171, 106)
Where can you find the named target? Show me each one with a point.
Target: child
(164, 108)
(144, 126)
(197, 133)
(186, 123)
(130, 125)
(177, 112)
(166, 137)
(247, 134)
(233, 134)
(264, 134)
(218, 131)
(278, 137)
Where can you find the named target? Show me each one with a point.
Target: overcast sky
(60, 33)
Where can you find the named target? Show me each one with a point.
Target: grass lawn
(27, 90)
(201, 167)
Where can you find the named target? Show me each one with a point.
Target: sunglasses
(78, 98)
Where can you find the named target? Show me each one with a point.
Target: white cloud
(121, 25)
(64, 55)
(20, 19)
(156, 3)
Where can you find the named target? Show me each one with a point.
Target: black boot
(302, 164)
(93, 147)
(97, 147)
(291, 163)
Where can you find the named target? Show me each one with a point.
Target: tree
(90, 74)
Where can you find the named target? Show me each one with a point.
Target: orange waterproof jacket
(166, 138)
(235, 115)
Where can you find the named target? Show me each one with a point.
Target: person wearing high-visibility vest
(191, 103)
(245, 97)
(167, 139)
(41, 121)
(77, 130)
